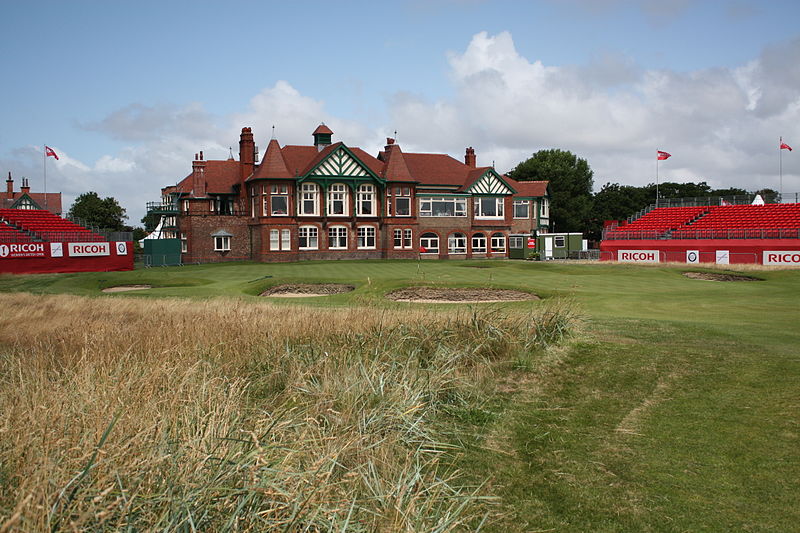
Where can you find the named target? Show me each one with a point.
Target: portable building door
(548, 247)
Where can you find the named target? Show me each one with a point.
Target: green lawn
(677, 408)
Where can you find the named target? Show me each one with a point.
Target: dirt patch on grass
(441, 295)
(126, 288)
(305, 290)
(714, 276)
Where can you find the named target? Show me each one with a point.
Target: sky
(127, 92)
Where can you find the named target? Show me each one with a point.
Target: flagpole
(656, 179)
(44, 164)
(780, 167)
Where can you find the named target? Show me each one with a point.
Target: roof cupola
(322, 136)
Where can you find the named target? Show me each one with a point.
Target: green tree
(571, 183)
(105, 213)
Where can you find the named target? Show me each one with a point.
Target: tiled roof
(437, 169)
(273, 166)
(322, 128)
(395, 167)
(53, 200)
(528, 188)
(221, 176)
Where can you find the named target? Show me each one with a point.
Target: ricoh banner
(783, 257)
(24, 249)
(88, 249)
(638, 256)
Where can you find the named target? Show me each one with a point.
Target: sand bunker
(713, 276)
(126, 288)
(465, 296)
(305, 290)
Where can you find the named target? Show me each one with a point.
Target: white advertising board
(638, 256)
(723, 257)
(88, 249)
(782, 257)
(692, 256)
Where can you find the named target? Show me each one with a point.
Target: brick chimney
(25, 189)
(469, 158)
(10, 186)
(199, 176)
(247, 153)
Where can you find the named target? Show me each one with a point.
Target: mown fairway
(674, 407)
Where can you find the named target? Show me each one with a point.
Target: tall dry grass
(132, 414)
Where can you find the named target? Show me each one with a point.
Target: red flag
(663, 155)
(785, 146)
(422, 249)
(48, 152)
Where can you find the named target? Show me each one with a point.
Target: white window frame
(335, 234)
(338, 192)
(366, 237)
(522, 203)
(366, 197)
(309, 193)
(516, 242)
(308, 235)
(427, 206)
(545, 208)
(499, 205)
(432, 240)
(398, 239)
(222, 243)
(274, 240)
(184, 243)
(477, 238)
(559, 238)
(408, 238)
(286, 239)
(457, 244)
(498, 238)
(402, 194)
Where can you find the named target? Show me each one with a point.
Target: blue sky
(128, 92)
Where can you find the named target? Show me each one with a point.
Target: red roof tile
(273, 166)
(437, 169)
(528, 188)
(221, 176)
(322, 128)
(395, 165)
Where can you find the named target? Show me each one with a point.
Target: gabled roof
(53, 200)
(437, 169)
(486, 180)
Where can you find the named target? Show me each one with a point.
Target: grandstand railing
(685, 234)
(712, 201)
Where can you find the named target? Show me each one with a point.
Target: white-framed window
(545, 208)
(253, 200)
(398, 238)
(366, 237)
(479, 243)
(429, 242)
(498, 242)
(222, 243)
(365, 200)
(516, 242)
(184, 243)
(264, 201)
(279, 200)
(559, 241)
(309, 199)
(522, 209)
(488, 207)
(442, 207)
(308, 237)
(280, 240)
(337, 200)
(337, 238)
(403, 239)
(274, 240)
(457, 243)
(402, 201)
(186, 206)
(286, 239)
(407, 238)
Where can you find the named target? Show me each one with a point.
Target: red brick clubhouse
(332, 201)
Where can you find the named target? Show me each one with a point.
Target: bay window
(442, 207)
(280, 200)
(337, 199)
(521, 209)
(365, 200)
(488, 207)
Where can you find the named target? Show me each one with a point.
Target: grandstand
(37, 240)
(712, 233)
(42, 225)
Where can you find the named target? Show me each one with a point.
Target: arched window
(457, 243)
(365, 201)
(337, 200)
(309, 199)
(429, 243)
(479, 243)
(498, 243)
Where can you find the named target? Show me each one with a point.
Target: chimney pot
(389, 140)
(469, 157)
(201, 155)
